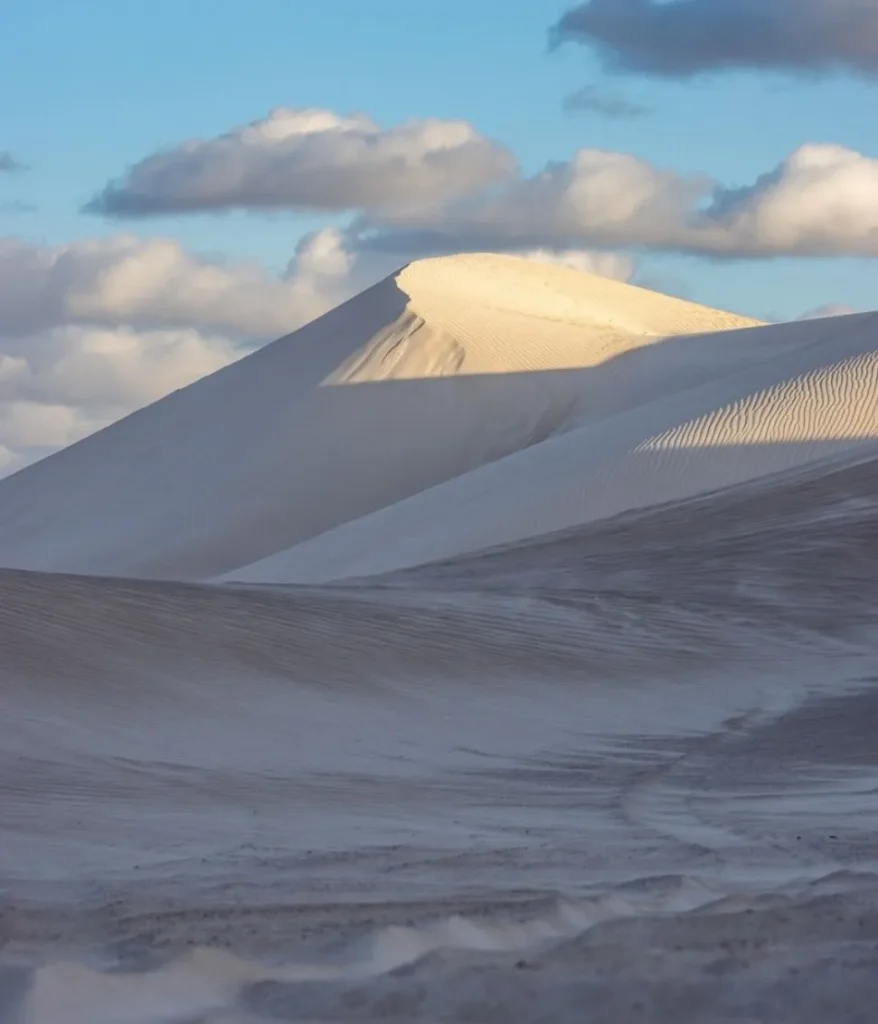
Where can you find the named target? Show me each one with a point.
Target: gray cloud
(590, 100)
(314, 160)
(8, 163)
(683, 38)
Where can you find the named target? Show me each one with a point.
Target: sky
(181, 182)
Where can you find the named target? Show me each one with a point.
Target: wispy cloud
(830, 309)
(8, 163)
(591, 100)
(18, 206)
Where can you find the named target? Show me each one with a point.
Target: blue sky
(95, 86)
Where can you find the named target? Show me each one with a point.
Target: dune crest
(442, 368)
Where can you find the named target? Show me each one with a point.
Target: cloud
(92, 330)
(157, 283)
(831, 309)
(9, 460)
(311, 160)
(18, 206)
(595, 101)
(683, 38)
(31, 425)
(436, 186)
(59, 386)
(604, 264)
(821, 201)
(8, 163)
(597, 199)
(106, 370)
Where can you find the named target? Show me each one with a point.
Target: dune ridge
(446, 366)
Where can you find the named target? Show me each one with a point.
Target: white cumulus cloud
(156, 282)
(598, 198)
(431, 185)
(107, 368)
(96, 328)
(312, 160)
(820, 201)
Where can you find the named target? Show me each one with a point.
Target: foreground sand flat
(550, 693)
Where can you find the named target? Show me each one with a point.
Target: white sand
(443, 368)
(464, 402)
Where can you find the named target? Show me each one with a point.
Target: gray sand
(626, 774)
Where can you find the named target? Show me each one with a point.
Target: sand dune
(795, 393)
(463, 402)
(447, 366)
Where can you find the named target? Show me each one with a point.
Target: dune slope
(444, 367)
(796, 393)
